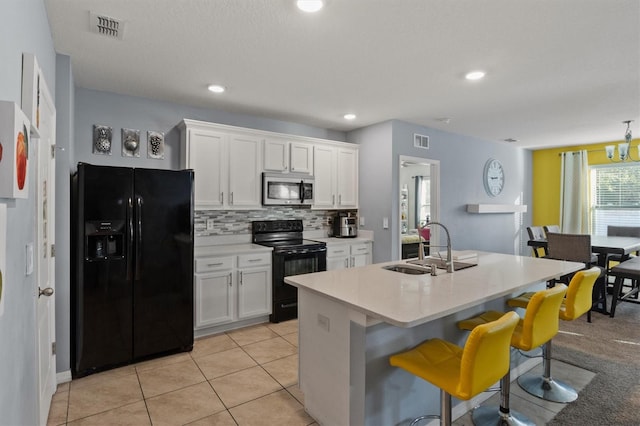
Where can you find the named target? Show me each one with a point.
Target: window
(615, 196)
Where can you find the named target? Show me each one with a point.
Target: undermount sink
(408, 269)
(440, 263)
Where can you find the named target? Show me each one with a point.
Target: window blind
(615, 196)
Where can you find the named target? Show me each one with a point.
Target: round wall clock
(493, 177)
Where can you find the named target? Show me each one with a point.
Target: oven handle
(288, 305)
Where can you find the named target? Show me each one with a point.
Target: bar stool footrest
(421, 418)
(491, 416)
(547, 388)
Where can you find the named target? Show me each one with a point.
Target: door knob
(45, 292)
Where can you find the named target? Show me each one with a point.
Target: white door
(44, 256)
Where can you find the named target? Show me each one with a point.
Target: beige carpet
(610, 347)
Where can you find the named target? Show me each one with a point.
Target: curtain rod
(577, 152)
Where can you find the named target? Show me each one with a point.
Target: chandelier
(623, 148)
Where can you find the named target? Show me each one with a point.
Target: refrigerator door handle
(129, 258)
(139, 240)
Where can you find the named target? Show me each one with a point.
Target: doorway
(44, 252)
(419, 189)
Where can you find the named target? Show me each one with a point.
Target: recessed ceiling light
(445, 120)
(474, 75)
(310, 5)
(511, 140)
(216, 88)
(349, 116)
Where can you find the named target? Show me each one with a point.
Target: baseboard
(63, 377)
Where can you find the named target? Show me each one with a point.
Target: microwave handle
(302, 191)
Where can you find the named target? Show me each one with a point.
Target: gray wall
(376, 182)
(23, 28)
(462, 160)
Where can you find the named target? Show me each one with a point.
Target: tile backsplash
(231, 222)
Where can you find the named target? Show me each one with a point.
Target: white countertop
(408, 300)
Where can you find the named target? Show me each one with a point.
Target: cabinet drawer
(360, 248)
(247, 260)
(337, 250)
(206, 264)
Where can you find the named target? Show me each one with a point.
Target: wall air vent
(420, 141)
(106, 26)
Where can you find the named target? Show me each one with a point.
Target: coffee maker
(345, 225)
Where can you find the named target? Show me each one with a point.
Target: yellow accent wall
(546, 178)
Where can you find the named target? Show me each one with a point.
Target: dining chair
(537, 233)
(551, 228)
(577, 248)
(614, 259)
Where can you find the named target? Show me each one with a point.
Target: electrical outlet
(210, 224)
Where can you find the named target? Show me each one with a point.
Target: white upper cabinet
(227, 166)
(228, 162)
(336, 177)
(287, 156)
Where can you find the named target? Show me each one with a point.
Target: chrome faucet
(420, 245)
(449, 261)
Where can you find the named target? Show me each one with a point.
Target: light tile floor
(242, 377)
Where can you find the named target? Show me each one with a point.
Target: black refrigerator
(132, 262)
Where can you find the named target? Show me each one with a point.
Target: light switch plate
(385, 223)
(361, 220)
(29, 259)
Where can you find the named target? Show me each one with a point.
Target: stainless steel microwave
(287, 189)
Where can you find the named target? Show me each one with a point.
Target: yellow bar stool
(461, 372)
(539, 325)
(579, 300)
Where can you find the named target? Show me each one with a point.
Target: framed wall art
(3, 255)
(130, 143)
(102, 136)
(31, 91)
(15, 139)
(155, 145)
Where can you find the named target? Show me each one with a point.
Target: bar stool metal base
(421, 418)
(491, 416)
(547, 388)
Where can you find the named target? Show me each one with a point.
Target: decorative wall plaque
(155, 145)
(102, 139)
(130, 143)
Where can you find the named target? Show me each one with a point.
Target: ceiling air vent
(420, 141)
(106, 26)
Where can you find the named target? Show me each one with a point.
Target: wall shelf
(496, 208)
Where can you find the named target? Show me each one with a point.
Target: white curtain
(574, 193)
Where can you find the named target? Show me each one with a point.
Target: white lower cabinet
(231, 288)
(342, 256)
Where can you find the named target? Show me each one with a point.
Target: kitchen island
(351, 320)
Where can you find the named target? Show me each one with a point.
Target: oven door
(285, 296)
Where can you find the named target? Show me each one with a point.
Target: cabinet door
(324, 167)
(244, 171)
(301, 157)
(254, 292)
(360, 254)
(206, 156)
(336, 263)
(347, 187)
(214, 298)
(337, 257)
(276, 155)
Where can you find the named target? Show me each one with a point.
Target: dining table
(602, 246)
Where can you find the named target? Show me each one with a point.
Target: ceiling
(557, 72)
